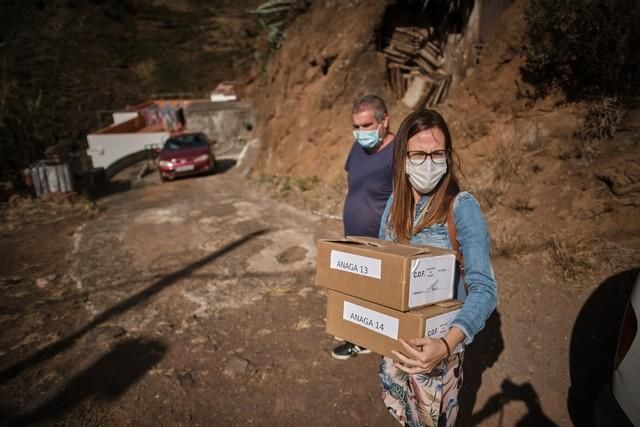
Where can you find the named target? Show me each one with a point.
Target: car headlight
(201, 158)
(165, 164)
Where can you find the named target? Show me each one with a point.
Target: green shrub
(585, 47)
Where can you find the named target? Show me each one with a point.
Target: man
(369, 174)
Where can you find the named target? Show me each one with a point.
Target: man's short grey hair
(370, 102)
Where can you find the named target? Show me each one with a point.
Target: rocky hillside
(304, 99)
(530, 162)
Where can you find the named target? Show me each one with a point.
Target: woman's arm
(475, 246)
(423, 354)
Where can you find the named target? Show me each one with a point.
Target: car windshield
(185, 141)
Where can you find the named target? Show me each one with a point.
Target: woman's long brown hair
(402, 208)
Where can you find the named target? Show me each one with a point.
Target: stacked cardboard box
(379, 291)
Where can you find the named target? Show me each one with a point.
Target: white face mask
(368, 138)
(426, 176)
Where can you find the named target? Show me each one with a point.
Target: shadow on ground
(480, 355)
(510, 392)
(136, 299)
(593, 344)
(223, 165)
(106, 379)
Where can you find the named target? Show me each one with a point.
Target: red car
(186, 154)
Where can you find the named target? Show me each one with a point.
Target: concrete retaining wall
(229, 123)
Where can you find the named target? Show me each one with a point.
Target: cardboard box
(402, 277)
(378, 328)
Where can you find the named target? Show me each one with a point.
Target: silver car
(619, 402)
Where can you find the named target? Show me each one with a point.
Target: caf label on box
(438, 326)
(431, 280)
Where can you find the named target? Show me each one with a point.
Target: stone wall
(229, 123)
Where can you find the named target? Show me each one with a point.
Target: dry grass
(581, 257)
(304, 292)
(306, 192)
(488, 197)
(276, 290)
(507, 164)
(573, 258)
(485, 188)
(303, 323)
(511, 243)
(49, 209)
(521, 205)
(281, 186)
(600, 123)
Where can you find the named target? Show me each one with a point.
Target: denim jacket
(475, 246)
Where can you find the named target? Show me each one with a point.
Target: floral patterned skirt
(423, 399)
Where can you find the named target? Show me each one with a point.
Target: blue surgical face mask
(367, 138)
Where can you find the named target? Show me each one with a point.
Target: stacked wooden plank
(415, 65)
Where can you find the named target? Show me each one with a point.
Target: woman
(420, 387)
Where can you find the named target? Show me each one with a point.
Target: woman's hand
(422, 355)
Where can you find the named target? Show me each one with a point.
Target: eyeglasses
(418, 157)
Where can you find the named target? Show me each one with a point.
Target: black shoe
(348, 350)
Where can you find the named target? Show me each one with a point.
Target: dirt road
(186, 303)
(193, 303)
